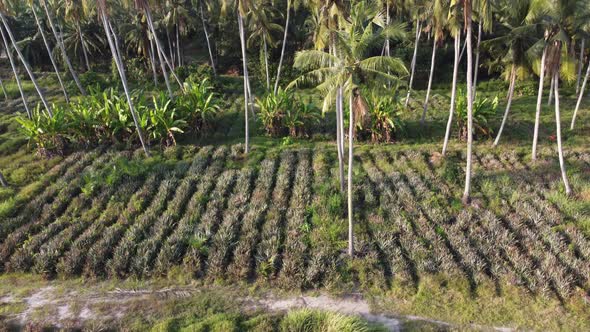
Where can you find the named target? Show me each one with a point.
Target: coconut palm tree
(262, 27)
(205, 31)
(455, 31)
(418, 13)
(49, 53)
(60, 44)
(115, 51)
(351, 67)
(75, 11)
(290, 3)
(561, 19)
(177, 18)
(437, 25)
(517, 36)
(329, 16)
(15, 71)
(484, 8)
(4, 7)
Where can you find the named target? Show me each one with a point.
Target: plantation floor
(202, 215)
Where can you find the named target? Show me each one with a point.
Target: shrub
(199, 104)
(483, 110)
(281, 113)
(384, 119)
(48, 133)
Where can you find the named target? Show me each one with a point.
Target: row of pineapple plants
(267, 248)
(241, 264)
(44, 229)
(124, 252)
(148, 249)
(176, 245)
(58, 198)
(41, 192)
(297, 226)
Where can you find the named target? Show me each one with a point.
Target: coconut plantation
(286, 165)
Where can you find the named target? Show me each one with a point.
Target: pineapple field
(277, 219)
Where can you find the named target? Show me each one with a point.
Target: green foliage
(282, 112)
(164, 121)
(47, 133)
(199, 104)
(384, 118)
(483, 111)
(306, 320)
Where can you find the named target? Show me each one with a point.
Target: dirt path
(54, 306)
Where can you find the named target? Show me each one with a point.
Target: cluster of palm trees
(526, 36)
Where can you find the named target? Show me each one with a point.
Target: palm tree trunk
(551, 86)
(153, 61)
(61, 46)
(580, 97)
(283, 46)
(339, 138)
(466, 192)
(476, 69)
(568, 190)
(266, 63)
(121, 70)
(453, 92)
(539, 102)
(25, 64)
(161, 54)
(3, 182)
(246, 84)
(413, 65)
(61, 84)
(207, 39)
(83, 47)
(387, 51)
(432, 63)
(3, 89)
(508, 103)
(178, 47)
(580, 65)
(171, 50)
(15, 71)
(350, 159)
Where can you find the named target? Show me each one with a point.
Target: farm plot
(282, 221)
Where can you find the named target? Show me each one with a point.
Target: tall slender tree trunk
(350, 160)
(283, 46)
(467, 191)
(171, 50)
(246, 81)
(61, 46)
(413, 64)
(508, 103)
(432, 63)
(266, 63)
(25, 64)
(580, 65)
(453, 92)
(15, 71)
(207, 39)
(178, 45)
(161, 54)
(153, 61)
(83, 47)
(339, 138)
(3, 89)
(539, 102)
(121, 70)
(3, 182)
(61, 84)
(476, 69)
(580, 97)
(551, 87)
(163, 68)
(568, 190)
